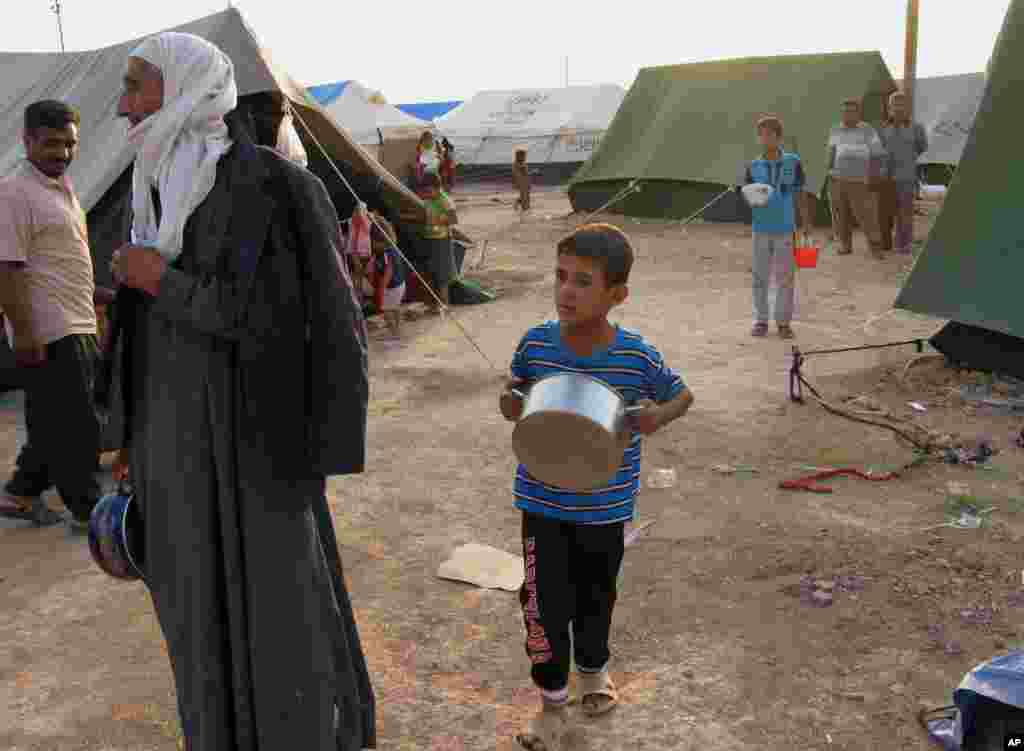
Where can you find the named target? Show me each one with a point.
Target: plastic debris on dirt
(980, 453)
(977, 616)
(821, 593)
(635, 532)
(484, 567)
(728, 469)
(937, 635)
(662, 479)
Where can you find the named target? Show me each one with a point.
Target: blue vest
(784, 175)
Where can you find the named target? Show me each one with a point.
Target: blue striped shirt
(633, 368)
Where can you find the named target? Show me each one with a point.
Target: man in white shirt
(856, 165)
(46, 292)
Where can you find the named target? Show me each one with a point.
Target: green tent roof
(972, 267)
(696, 122)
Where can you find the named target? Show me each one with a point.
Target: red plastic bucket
(805, 254)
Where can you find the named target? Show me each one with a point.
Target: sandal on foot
(597, 693)
(760, 329)
(786, 331)
(17, 507)
(32, 510)
(547, 733)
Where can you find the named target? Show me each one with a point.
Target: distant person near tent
(905, 142)
(47, 292)
(774, 224)
(427, 159)
(521, 178)
(447, 168)
(856, 163)
(437, 232)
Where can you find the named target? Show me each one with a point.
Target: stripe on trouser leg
(537, 644)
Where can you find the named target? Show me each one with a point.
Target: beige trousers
(853, 200)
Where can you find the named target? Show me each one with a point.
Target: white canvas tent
(366, 114)
(559, 127)
(91, 81)
(946, 106)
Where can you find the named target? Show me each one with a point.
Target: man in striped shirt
(573, 542)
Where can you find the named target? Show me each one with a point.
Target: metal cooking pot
(116, 539)
(573, 432)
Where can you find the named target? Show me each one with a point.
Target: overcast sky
(451, 49)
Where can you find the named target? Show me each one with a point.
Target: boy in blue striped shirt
(572, 541)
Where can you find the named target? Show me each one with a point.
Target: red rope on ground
(808, 483)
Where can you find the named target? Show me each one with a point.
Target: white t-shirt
(43, 226)
(854, 148)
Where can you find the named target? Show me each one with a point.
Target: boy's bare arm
(511, 406)
(675, 408)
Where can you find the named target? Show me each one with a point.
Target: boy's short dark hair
(49, 113)
(771, 122)
(604, 243)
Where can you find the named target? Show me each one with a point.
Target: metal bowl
(116, 537)
(572, 432)
(758, 194)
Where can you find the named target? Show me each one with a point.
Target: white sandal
(547, 732)
(592, 686)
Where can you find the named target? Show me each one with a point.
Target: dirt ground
(714, 647)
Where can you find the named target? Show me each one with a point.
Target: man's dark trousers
(62, 426)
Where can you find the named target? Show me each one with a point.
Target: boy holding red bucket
(774, 223)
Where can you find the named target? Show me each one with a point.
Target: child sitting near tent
(356, 234)
(386, 274)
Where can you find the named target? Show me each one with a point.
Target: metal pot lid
(567, 450)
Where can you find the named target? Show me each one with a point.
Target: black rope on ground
(919, 343)
(797, 381)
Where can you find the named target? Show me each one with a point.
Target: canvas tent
(559, 127)
(686, 130)
(365, 114)
(970, 268)
(428, 110)
(945, 106)
(91, 81)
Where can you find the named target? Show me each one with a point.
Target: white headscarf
(179, 146)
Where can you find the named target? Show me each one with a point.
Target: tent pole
(910, 60)
(60, 24)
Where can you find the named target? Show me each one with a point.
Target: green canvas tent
(687, 130)
(972, 266)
